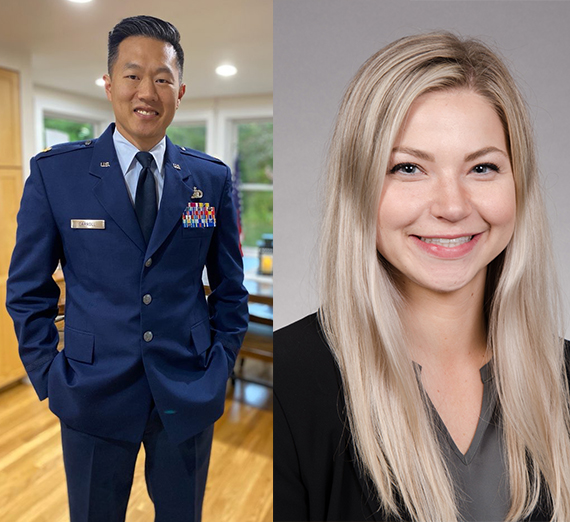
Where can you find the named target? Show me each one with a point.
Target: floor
(240, 481)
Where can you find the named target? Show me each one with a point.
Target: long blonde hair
(361, 307)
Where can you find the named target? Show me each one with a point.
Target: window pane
(255, 168)
(255, 152)
(191, 136)
(256, 216)
(59, 130)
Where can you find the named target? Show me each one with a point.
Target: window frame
(226, 137)
(247, 187)
(52, 106)
(190, 117)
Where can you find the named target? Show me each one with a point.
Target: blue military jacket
(138, 327)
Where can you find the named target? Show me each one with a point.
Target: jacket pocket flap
(78, 345)
(201, 336)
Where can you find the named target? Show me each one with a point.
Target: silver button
(147, 298)
(148, 337)
(148, 262)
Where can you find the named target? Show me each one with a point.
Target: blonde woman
(431, 385)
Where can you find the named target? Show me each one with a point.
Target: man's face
(144, 89)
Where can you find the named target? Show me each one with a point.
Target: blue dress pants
(100, 473)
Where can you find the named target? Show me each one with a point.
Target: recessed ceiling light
(100, 82)
(80, 1)
(226, 70)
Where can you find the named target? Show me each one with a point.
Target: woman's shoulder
(307, 382)
(303, 337)
(303, 357)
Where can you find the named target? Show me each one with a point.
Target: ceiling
(68, 42)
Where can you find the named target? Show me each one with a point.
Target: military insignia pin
(197, 194)
(199, 215)
(105, 164)
(176, 166)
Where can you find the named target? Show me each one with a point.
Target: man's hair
(150, 27)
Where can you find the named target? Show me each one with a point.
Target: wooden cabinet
(11, 368)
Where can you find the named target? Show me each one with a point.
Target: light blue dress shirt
(131, 168)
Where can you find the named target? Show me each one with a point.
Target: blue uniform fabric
(100, 474)
(122, 354)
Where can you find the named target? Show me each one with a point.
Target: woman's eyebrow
(428, 157)
(482, 152)
(414, 152)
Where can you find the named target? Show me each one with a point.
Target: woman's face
(448, 202)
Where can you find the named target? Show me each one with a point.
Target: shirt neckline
(126, 153)
(485, 417)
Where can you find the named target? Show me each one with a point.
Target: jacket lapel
(111, 190)
(176, 194)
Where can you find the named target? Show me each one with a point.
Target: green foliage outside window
(255, 153)
(192, 136)
(75, 131)
(256, 216)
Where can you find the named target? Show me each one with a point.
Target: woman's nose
(450, 200)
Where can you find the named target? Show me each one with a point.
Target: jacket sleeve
(228, 301)
(32, 294)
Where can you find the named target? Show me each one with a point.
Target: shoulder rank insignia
(197, 194)
(47, 149)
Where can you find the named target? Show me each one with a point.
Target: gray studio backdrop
(320, 44)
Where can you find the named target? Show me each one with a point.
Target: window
(254, 173)
(61, 130)
(191, 136)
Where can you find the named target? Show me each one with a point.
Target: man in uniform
(133, 219)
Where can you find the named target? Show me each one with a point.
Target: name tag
(88, 223)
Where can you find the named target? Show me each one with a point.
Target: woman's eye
(405, 168)
(485, 168)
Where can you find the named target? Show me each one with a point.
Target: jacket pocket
(190, 233)
(78, 345)
(201, 336)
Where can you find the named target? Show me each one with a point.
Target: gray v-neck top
(480, 475)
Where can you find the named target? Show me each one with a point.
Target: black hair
(150, 27)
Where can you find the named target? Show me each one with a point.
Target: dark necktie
(145, 199)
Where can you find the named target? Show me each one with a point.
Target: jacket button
(148, 337)
(147, 298)
(148, 262)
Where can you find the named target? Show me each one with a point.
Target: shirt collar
(126, 152)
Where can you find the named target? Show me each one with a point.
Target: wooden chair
(258, 344)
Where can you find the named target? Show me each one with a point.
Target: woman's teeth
(450, 243)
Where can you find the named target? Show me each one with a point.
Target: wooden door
(11, 368)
